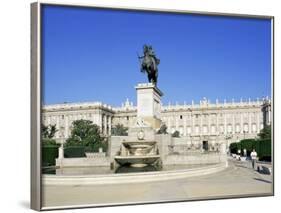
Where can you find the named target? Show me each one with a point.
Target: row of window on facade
(245, 114)
(227, 115)
(73, 117)
(84, 115)
(221, 129)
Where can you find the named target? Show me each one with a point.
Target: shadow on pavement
(259, 179)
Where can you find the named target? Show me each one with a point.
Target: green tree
(119, 130)
(163, 129)
(48, 132)
(45, 131)
(176, 134)
(85, 133)
(265, 133)
(233, 147)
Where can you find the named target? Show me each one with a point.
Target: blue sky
(91, 55)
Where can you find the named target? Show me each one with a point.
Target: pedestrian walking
(254, 156)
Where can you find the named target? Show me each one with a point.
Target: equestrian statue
(149, 63)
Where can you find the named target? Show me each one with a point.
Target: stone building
(204, 122)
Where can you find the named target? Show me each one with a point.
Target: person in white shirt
(254, 158)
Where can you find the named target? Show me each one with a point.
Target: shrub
(95, 147)
(74, 152)
(162, 130)
(49, 155)
(247, 144)
(262, 147)
(233, 148)
(49, 142)
(176, 134)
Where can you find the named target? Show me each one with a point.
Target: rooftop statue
(149, 63)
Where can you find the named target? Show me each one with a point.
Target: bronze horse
(150, 67)
(149, 64)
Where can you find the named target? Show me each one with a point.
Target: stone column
(100, 120)
(95, 119)
(169, 124)
(250, 123)
(201, 126)
(241, 123)
(58, 133)
(177, 124)
(233, 124)
(109, 125)
(209, 125)
(61, 152)
(192, 125)
(184, 125)
(223, 148)
(105, 125)
(217, 124)
(66, 126)
(225, 130)
(269, 115)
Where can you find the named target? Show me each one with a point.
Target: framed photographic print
(139, 105)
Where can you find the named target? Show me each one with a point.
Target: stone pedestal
(149, 103)
(61, 152)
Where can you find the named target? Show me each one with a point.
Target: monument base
(149, 102)
(155, 123)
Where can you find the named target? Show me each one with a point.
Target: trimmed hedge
(79, 151)
(262, 147)
(49, 142)
(233, 148)
(49, 155)
(50, 152)
(74, 152)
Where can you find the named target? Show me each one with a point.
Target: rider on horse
(149, 63)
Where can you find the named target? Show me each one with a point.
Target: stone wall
(114, 145)
(163, 142)
(192, 159)
(83, 162)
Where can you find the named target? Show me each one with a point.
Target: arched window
(246, 128)
(229, 128)
(188, 130)
(221, 128)
(205, 129)
(254, 127)
(197, 129)
(181, 130)
(213, 129)
(237, 128)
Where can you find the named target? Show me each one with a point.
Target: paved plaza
(237, 179)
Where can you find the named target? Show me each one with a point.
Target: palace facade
(204, 121)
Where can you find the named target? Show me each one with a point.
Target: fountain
(140, 148)
(138, 153)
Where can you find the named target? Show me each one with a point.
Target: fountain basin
(139, 148)
(137, 161)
